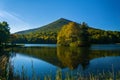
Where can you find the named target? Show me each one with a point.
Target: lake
(45, 59)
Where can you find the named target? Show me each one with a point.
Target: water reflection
(71, 57)
(46, 59)
(4, 60)
(47, 54)
(65, 56)
(60, 56)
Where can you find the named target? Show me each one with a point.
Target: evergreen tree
(4, 32)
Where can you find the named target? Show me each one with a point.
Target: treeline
(96, 36)
(38, 37)
(102, 37)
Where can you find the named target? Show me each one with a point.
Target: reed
(65, 76)
(68, 76)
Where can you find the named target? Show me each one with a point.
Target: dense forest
(48, 34)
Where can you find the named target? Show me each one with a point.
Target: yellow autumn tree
(72, 35)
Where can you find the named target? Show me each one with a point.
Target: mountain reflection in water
(46, 60)
(66, 56)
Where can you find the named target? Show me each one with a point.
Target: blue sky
(28, 14)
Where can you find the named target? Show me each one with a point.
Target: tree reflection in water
(63, 57)
(71, 56)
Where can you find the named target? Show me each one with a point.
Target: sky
(29, 14)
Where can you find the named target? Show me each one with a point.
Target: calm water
(45, 59)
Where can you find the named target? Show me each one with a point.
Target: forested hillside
(48, 34)
(51, 27)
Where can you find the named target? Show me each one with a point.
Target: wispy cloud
(14, 21)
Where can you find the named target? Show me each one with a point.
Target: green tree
(4, 32)
(84, 35)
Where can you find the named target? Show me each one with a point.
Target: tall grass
(64, 76)
(69, 76)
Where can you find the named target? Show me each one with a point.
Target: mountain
(48, 34)
(54, 26)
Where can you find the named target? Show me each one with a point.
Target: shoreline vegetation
(11, 45)
(67, 76)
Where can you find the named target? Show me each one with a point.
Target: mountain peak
(63, 19)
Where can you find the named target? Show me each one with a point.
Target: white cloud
(15, 23)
